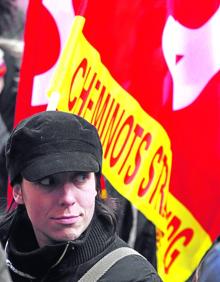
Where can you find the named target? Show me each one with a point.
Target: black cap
(52, 142)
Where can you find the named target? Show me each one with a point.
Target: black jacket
(70, 260)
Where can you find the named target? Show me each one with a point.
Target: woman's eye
(45, 181)
(81, 177)
(54, 181)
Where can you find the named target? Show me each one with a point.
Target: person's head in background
(11, 49)
(54, 160)
(12, 19)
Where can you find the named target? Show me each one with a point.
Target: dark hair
(107, 206)
(6, 222)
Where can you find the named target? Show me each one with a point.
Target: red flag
(165, 55)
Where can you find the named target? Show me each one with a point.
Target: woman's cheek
(89, 199)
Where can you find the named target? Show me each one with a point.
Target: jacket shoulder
(131, 268)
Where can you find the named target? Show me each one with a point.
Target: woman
(61, 228)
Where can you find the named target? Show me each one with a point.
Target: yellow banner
(181, 247)
(137, 155)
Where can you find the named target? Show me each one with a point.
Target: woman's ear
(17, 194)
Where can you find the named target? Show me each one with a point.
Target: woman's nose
(67, 194)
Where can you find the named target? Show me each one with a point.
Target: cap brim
(59, 162)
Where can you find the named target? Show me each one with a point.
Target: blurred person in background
(134, 228)
(11, 49)
(208, 269)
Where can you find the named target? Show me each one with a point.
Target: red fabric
(130, 36)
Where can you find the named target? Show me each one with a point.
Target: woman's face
(59, 206)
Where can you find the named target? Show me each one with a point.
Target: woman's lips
(66, 219)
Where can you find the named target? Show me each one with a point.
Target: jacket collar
(25, 258)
